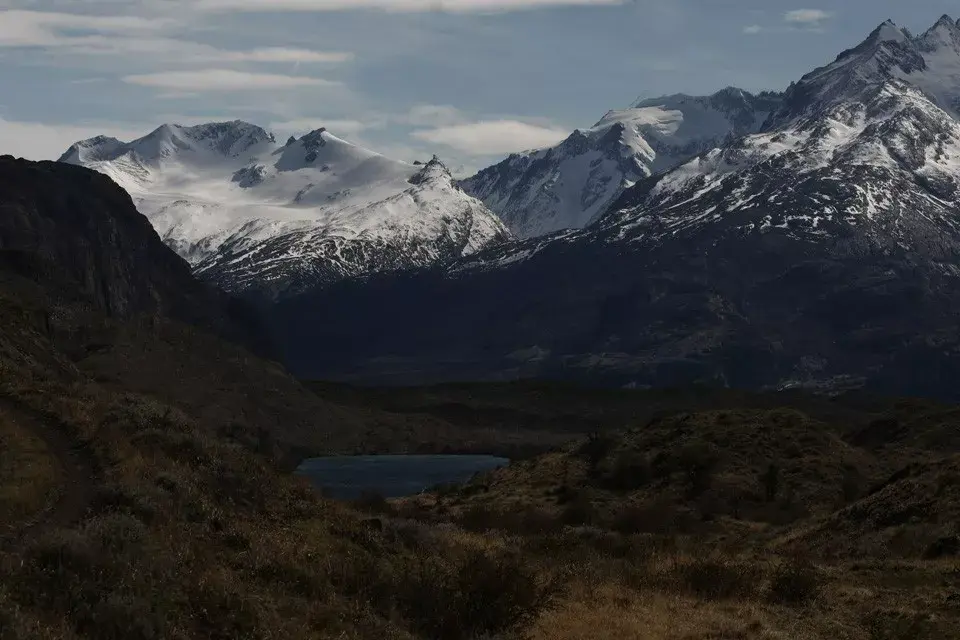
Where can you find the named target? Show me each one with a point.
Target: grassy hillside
(745, 523)
(142, 498)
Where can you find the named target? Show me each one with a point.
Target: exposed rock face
(75, 226)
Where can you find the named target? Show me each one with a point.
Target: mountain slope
(823, 250)
(79, 228)
(256, 217)
(567, 186)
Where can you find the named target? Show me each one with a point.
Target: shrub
(479, 518)
(596, 448)
(717, 579)
(942, 548)
(116, 533)
(897, 625)
(372, 502)
(795, 583)
(529, 521)
(579, 512)
(484, 594)
(698, 461)
(134, 501)
(118, 617)
(629, 471)
(771, 482)
(851, 484)
(658, 517)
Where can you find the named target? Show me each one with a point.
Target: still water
(347, 477)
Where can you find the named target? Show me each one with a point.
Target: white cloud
(492, 136)
(752, 29)
(206, 80)
(282, 54)
(39, 141)
(810, 17)
(454, 6)
(432, 115)
(50, 29)
(75, 34)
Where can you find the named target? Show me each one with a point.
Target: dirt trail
(76, 482)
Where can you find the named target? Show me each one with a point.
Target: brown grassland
(662, 515)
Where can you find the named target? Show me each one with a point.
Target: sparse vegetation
(795, 582)
(669, 529)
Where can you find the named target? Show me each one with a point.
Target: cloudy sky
(470, 80)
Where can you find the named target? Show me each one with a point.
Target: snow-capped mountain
(869, 141)
(568, 185)
(255, 216)
(822, 249)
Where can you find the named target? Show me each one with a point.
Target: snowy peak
(887, 32)
(930, 62)
(197, 144)
(229, 139)
(255, 216)
(95, 149)
(433, 170)
(944, 34)
(569, 185)
(319, 149)
(872, 140)
(680, 126)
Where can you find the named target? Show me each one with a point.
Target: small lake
(392, 476)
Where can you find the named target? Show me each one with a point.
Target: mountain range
(819, 249)
(804, 237)
(264, 219)
(571, 184)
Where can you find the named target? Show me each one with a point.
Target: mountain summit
(569, 185)
(258, 217)
(929, 62)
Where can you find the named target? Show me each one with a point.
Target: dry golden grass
(612, 612)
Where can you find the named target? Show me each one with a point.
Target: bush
(485, 594)
(717, 579)
(596, 448)
(134, 501)
(795, 583)
(372, 502)
(699, 462)
(579, 512)
(629, 471)
(479, 518)
(658, 517)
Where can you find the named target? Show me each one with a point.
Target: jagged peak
(733, 92)
(431, 170)
(889, 30)
(946, 21)
(96, 140)
(945, 32)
